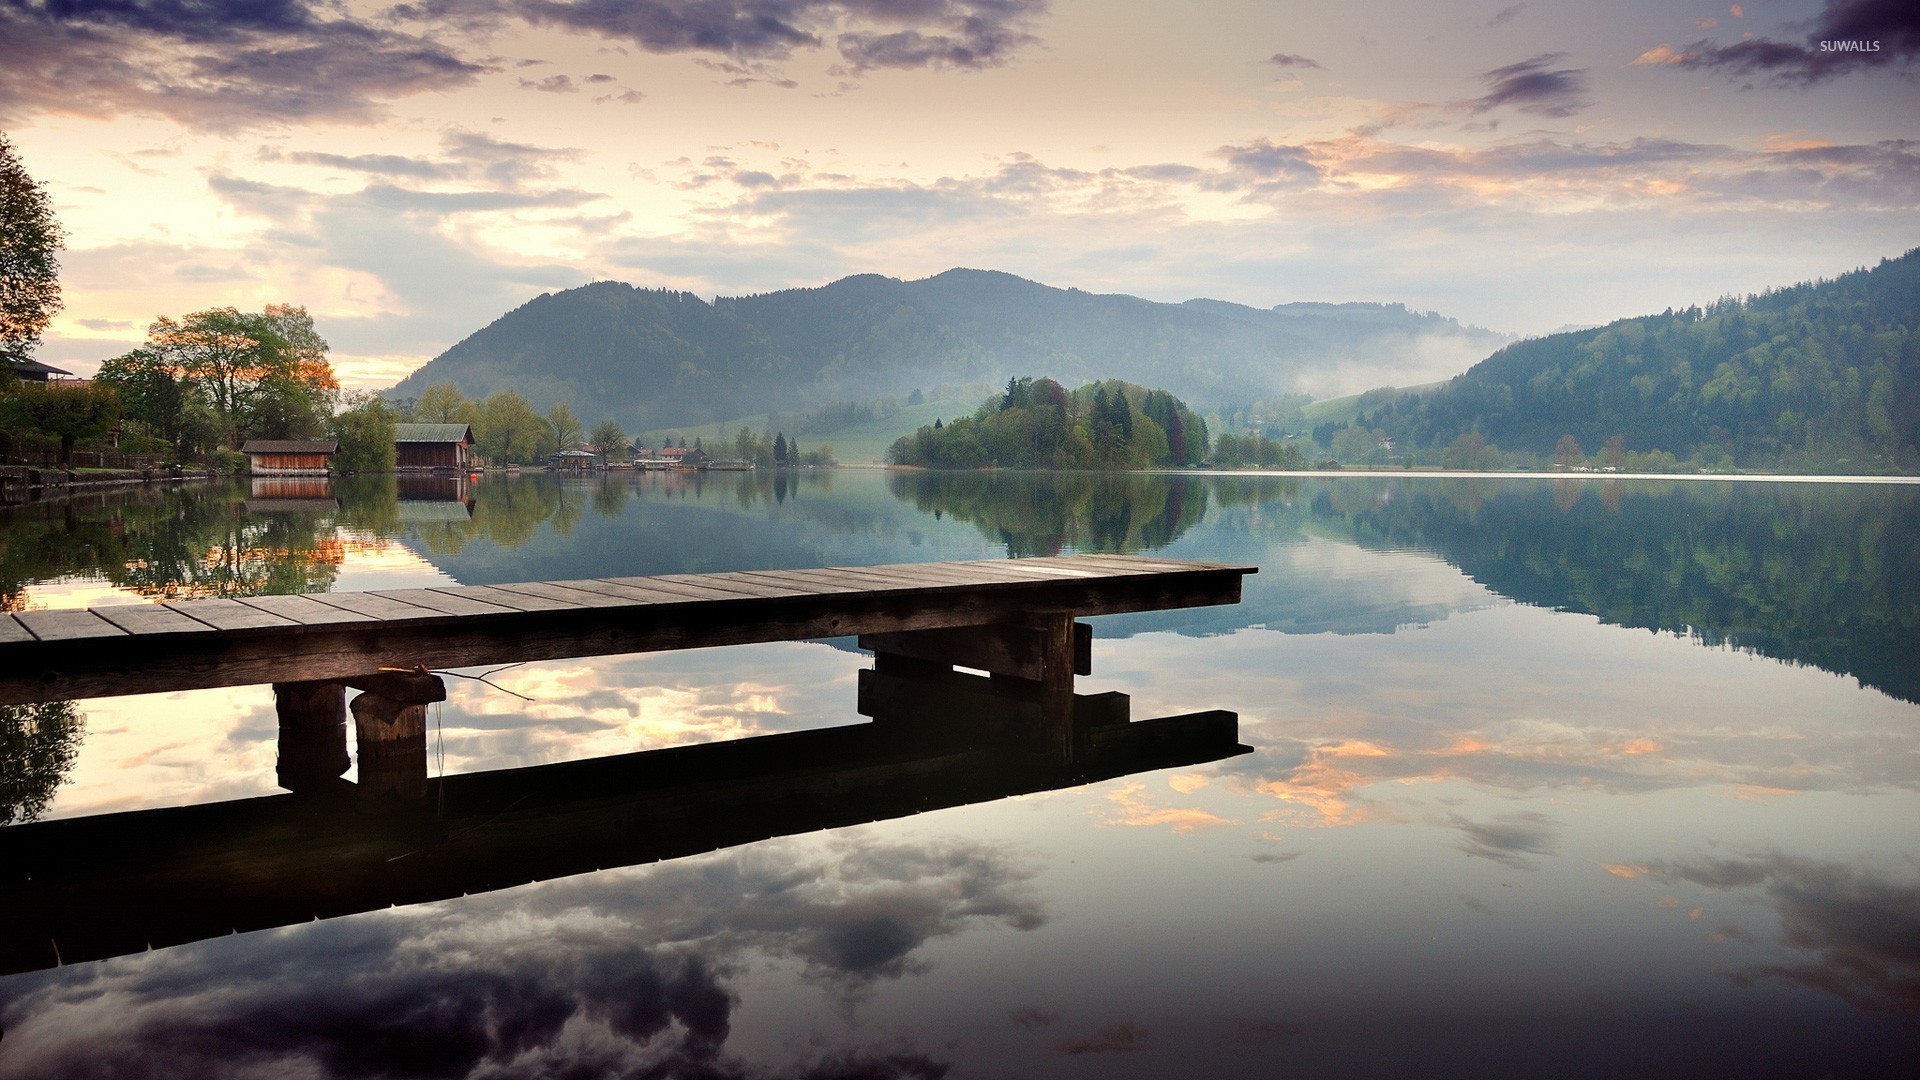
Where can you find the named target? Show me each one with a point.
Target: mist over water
(1568, 777)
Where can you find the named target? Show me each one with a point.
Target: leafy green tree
(260, 374)
(1567, 452)
(567, 428)
(69, 413)
(507, 429)
(443, 403)
(608, 439)
(29, 273)
(780, 449)
(365, 434)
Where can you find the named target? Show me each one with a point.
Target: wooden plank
(740, 585)
(630, 593)
(446, 602)
(305, 610)
(67, 625)
(519, 601)
(553, 590)
(11, 630)
(224, 614)
(891, 578)
(376, 606)
(150, 619)
(676, 586)
(812, 581)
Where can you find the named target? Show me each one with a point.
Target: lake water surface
(1549, 777)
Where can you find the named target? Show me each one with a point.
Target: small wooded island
(1038, 424)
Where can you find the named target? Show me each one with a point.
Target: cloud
(221, 65)
(1848, 36)
(1291, 60)
(968, 34)
(1509, 838)
(1506, 15)
(1535, 86)
(1854, 932)
(625, 973)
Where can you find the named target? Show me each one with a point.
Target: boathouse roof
(433, 433)
(289, 446)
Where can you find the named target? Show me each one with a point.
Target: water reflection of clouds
(1520, 700)
(1848, 930)
(630, 973)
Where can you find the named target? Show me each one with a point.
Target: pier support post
(390, 729)
(313, 734)
(392, 738)
(1030, 665)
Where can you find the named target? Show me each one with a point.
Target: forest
(1820, 377)
(1038, 424)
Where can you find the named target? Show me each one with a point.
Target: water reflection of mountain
(1820, 574)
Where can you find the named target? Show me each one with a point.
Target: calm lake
(1548, 777)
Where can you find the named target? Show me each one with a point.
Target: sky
(411, 172)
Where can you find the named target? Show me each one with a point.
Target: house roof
(289, 446)
(433, 433)
(35, 369)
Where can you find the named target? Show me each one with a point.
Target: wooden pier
(1012, 619)
(971, 698)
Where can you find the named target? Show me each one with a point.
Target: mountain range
(651, 358)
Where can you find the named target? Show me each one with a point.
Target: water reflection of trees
(38, 744)
(1818, 574)
(193, 542)
(1047, 513)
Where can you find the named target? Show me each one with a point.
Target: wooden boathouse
(433, 446)
(289, 457)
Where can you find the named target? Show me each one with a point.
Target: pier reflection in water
(1570, 777)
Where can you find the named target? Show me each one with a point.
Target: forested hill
(1823, 376)
(654, 358)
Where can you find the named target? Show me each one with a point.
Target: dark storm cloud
(1535, 86)
(1882, 33)
(1855, 932)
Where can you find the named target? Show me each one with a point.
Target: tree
(567, 429)
(608, 439)
(152, 393)
(29, 274)
(263, 374)
(508, 430)
(69, 412)
(780, 449)
(1567, 452)
(365, 435)
(443, 403)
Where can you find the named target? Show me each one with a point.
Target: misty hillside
(653, 358)
(1819, 376)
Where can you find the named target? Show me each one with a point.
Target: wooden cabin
(289, 457)
(433, 446)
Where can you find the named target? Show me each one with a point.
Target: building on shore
(289, 457)
(433, 446)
